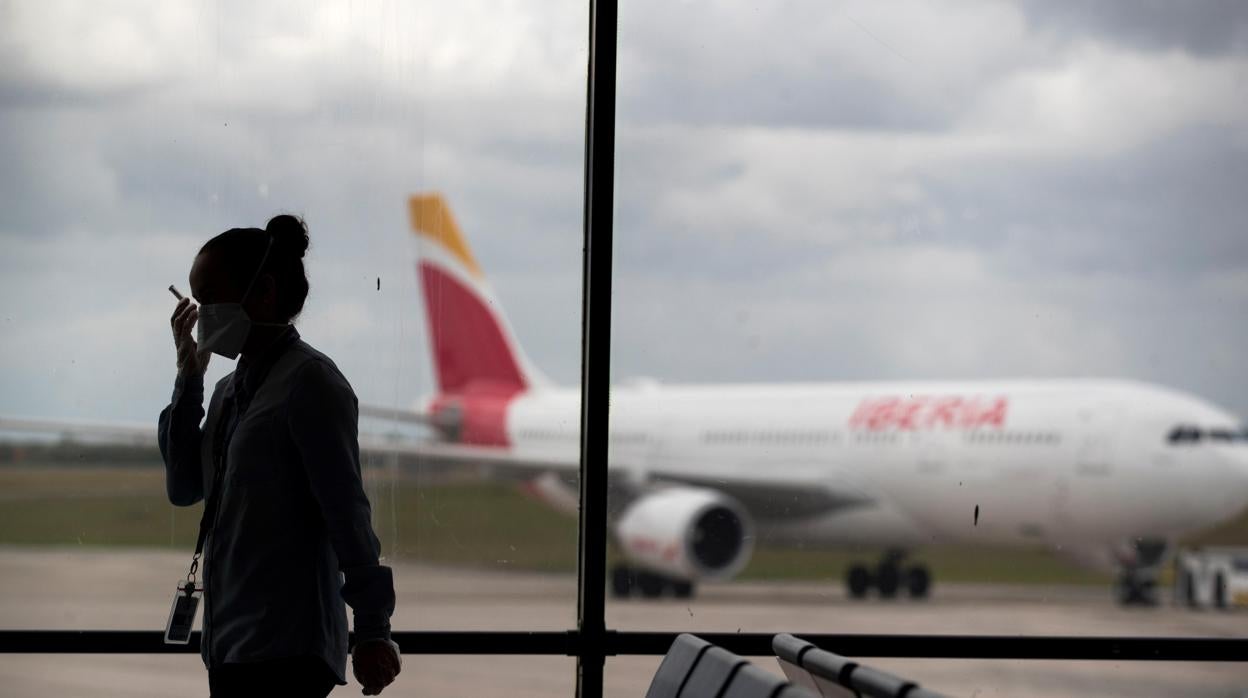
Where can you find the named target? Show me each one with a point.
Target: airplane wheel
(858, 581)
(622, 582)
(887, 580)
(1128, 594)
(918, 582)
(651, 585)
(683, 589)
(1133, 591)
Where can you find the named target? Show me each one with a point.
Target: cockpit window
(1188, 434)
(1184, 434)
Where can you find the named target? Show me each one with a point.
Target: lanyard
(207, 520)
(223, 436)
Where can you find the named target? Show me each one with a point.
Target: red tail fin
(469, 349)
(473, 349)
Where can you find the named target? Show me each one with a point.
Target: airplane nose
(1239, 473)
(1229, 496)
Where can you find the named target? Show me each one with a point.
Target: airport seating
(834, 676)
(684, 653)
(752, 682)
(694, 668)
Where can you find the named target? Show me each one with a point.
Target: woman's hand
(191, 361)
(376, 663)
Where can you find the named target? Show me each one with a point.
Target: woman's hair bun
(290, 233)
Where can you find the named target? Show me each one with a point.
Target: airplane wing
(769, 500)
(765, 499)
(116, 433)
(139, 434)
(397, 415)
(431, 452)
(374, 447)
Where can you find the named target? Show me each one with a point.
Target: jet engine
(686, 532)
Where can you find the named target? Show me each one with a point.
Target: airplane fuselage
(1073, 463)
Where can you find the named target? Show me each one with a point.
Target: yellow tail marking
(432, 218)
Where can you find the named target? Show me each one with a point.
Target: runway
(130, 590)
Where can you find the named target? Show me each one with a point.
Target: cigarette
(175, 293)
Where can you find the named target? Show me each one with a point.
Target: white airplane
(1108, 472)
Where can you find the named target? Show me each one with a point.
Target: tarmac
(70, 588)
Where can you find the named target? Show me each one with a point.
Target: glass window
(862, 248)
(906, 224)
(435, 154)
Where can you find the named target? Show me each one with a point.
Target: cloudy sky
(805, 190)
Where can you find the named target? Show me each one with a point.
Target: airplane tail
(474, 350)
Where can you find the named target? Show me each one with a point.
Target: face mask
(223, 327)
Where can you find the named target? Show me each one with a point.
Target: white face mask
(222, 328)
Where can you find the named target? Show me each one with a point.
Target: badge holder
(186, 599)
(182, 613)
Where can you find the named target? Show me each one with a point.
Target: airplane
(1111, 473)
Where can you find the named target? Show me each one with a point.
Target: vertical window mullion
(596, 346)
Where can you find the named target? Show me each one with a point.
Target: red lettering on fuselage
(994, 415)
(921, 412)
(945, 412)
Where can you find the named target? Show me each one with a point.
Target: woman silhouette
(289, 538)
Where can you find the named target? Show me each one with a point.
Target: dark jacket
(293, 537)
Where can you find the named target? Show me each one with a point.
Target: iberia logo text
(929, 412)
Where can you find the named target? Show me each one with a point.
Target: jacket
(293, 539)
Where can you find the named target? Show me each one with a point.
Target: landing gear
(858, 581)
(887, 579)
(1136, 588)
(627, 581)
(1137, 585)
(650, 585)
(621, 582)
(1187, 588)
(890, 577)
(918, 582)
(682, 589)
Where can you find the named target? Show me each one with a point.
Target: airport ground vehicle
(1215, 577)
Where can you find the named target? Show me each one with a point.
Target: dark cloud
(1200, 27)
(731, 264)
(34, 94)
(776, 98)
(722, 65)
(1166, 211)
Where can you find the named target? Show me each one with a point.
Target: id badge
(182, 614)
